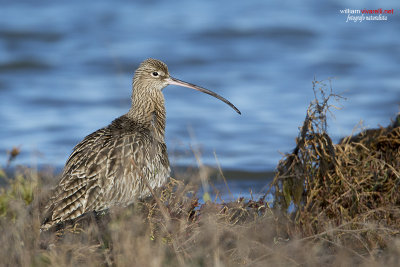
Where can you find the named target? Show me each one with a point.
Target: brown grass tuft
(346, 194)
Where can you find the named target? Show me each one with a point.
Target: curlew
(107, 167)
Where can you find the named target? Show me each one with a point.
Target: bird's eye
(155, 74)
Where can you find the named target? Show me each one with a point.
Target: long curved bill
(174, 81)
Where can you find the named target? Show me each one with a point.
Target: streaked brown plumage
(106, 169)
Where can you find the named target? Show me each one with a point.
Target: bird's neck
(149, 111)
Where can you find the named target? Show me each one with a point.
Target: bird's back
(107, 169)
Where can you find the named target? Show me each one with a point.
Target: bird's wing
(91, 171)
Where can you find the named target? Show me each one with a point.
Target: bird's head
(153, 74)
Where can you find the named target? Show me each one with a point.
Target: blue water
(66, 70)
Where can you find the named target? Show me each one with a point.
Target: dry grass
(334, 205)
(345, 195)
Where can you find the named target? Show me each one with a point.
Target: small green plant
(20, 188)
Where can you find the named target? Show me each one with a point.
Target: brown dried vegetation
(345, 195)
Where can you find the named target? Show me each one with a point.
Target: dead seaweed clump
(343, 195)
